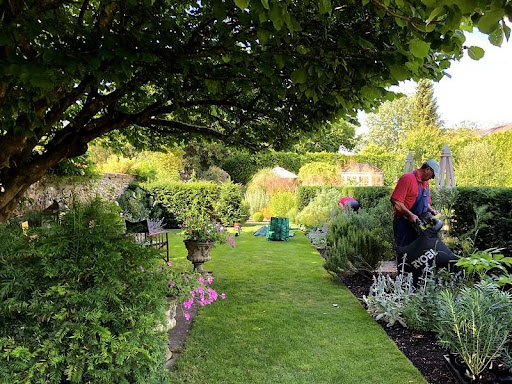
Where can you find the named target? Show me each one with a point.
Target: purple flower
(142, 268)
(187, 316)
(171, 283)
(169, 263)
(223, 296)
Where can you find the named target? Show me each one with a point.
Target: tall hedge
(367, 196)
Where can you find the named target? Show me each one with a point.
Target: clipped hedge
(367, 196)
(498, 231)
(183, 200)
(216, 201)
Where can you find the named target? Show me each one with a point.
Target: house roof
(499, 128)
(361, 168)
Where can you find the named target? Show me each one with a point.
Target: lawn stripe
(278, 323)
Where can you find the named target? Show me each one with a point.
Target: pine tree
(425, 105)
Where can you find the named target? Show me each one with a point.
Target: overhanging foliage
(243, 72)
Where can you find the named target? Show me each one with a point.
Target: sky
(478, 91)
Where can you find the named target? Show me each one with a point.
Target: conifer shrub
(78, 303)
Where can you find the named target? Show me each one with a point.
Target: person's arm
(400, 208)
(432, 210)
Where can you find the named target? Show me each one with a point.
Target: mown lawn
(284, 320)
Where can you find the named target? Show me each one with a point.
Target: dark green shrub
(230, 207)
(241, 166)
(77, 166)
(76, 304)
(497, 231)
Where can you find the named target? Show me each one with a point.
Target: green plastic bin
(278, 229)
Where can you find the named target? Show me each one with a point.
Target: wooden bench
(145, 234)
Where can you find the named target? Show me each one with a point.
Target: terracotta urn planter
(198, 253)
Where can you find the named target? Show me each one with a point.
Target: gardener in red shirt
(347, 203)
(410, 199)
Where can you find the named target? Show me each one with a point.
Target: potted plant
(200, 236)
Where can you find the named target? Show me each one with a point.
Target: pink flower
(201, 280)
(199, 289)
(213, 294)
(142, 268)
(187, 316)
(188, 304)
(169, 263)
(192, 294)
(171, 283)
(223, 296)
(210, 280)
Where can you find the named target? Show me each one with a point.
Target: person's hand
(413, 218)
(434, 212)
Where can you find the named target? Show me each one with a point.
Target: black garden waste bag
(426, 249)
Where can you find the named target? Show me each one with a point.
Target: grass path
(278, 323)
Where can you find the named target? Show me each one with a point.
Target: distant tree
(390, 123)
(424, 105)
(424, 141)
(328, 138)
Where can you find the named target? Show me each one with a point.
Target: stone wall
(62, 189)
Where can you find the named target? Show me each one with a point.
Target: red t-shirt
(343, 200)
(406, 190)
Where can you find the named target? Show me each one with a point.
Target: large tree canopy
(247, 71)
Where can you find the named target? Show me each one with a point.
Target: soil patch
(421, 348)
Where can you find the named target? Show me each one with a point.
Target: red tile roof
(499, 128)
